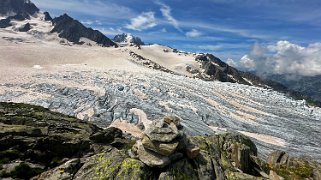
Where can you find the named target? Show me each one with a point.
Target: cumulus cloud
(90, 22)
(167, 13)
(193, 34)
(284, 58)
(144, 21)
(231, 62)
(111, 31)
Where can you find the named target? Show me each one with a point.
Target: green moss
(130, 168)
(226, 164)
(303, 171)
(105, 168)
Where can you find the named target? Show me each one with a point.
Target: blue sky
(227, 28)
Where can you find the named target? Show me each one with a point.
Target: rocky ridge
(39, 144)
(73, 30)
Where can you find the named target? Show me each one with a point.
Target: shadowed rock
(25, 28)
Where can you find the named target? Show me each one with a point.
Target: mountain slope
(308, 87)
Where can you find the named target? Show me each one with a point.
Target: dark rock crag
(11, 7)
(73, 30)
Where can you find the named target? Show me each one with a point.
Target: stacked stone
(164, 141)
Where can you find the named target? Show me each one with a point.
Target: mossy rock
(304, 170)
(22, 171)
(232, 175)
(180, 170)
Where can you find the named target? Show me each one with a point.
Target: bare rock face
(73, 30)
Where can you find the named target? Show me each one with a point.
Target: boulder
(172, 119)
(165, 149)
(151, 158)
(162, 132)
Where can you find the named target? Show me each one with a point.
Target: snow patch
(37, 67)
(247, 80)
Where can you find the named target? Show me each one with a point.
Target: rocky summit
(38, 144)
(73, 30)
(11, 7)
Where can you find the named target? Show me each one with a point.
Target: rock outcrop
(25, 28)
(38, 144)
(47, 16)
(128, 39)
(73, 30)
(4, 23)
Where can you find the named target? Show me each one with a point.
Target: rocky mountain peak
(73, 30)
(12, 7)
(127, 39)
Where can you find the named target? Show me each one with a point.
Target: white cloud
(144, 21)
(110, 31)
(210, 47)
(284, 58)
(193, 34)
(167, 13)
(222, 28)
(247, 63)
(231, 62)
(87, 22)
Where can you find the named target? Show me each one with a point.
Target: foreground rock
(164, 142)
(38, 144)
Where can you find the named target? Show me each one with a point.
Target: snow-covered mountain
(24, 16)
(126, 39)
(48, 65)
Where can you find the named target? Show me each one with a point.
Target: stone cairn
(163, 141)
